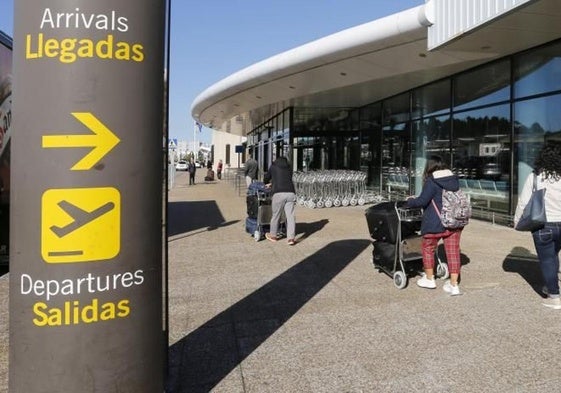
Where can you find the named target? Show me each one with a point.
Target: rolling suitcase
(382, 223)
(252, 205)
(383, 254)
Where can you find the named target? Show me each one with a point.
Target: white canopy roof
(366, 63)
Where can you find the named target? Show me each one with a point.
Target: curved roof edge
(6, 39)
(381, 33)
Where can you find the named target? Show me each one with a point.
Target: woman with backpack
(437, 177)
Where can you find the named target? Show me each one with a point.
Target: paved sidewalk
(250, 316)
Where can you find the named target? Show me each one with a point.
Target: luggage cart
(405, 250)
(332, 188)
(260, 211)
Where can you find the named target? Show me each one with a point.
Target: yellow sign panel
(102, 140)
(80, 224)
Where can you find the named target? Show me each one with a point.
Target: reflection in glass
(371, 134)
(538, 71)
(396, 159)
(432, 137)
(396, 110)
(481, 155)
(482, 86)
(430, 100)
(535, 121)
(370, 116)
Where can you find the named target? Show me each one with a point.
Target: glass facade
(481, 155)
(432, 137)
(430, 116)
(396, 145)
(535, 121)
(370, 125)
(483, 86)
(271, 140)
(538, 71)
(488, 123)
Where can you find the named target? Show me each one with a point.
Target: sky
(212, 39)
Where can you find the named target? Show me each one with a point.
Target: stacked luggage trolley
(332, 188)
(259, 211)
(397, 242)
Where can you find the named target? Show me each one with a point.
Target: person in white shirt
(548, 239)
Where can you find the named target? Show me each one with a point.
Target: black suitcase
(383, 254)
(252, 206)
(382, 223)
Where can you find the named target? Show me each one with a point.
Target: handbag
(533, 217)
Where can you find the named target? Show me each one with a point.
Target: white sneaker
(552, 302)
(452, 290)
(424, 282)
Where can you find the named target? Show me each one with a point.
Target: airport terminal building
(475, 81)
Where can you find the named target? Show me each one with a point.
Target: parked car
(492, 171)
(198, 164)
(181, 166)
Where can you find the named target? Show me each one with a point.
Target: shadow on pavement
(186, 216)
(306, 229)
(522, 261)
(199, 361)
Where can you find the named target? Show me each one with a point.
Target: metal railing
(236, 177)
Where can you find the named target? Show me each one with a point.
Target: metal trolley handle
(409, 214)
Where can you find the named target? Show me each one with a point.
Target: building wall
(452, 18)
(224, 145)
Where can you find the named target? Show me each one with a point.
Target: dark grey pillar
(86, 254)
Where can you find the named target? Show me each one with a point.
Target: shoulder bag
(533, 217)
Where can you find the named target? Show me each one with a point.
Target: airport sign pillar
(86, 307)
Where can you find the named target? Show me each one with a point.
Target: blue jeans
(548, 243)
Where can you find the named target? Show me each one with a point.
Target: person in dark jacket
(437, 177)
(192, 169)
(251, 168)
(279, 177)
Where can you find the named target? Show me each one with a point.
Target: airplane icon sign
(81, 217)
(80, 224)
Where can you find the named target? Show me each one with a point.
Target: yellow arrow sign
(102, 141)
